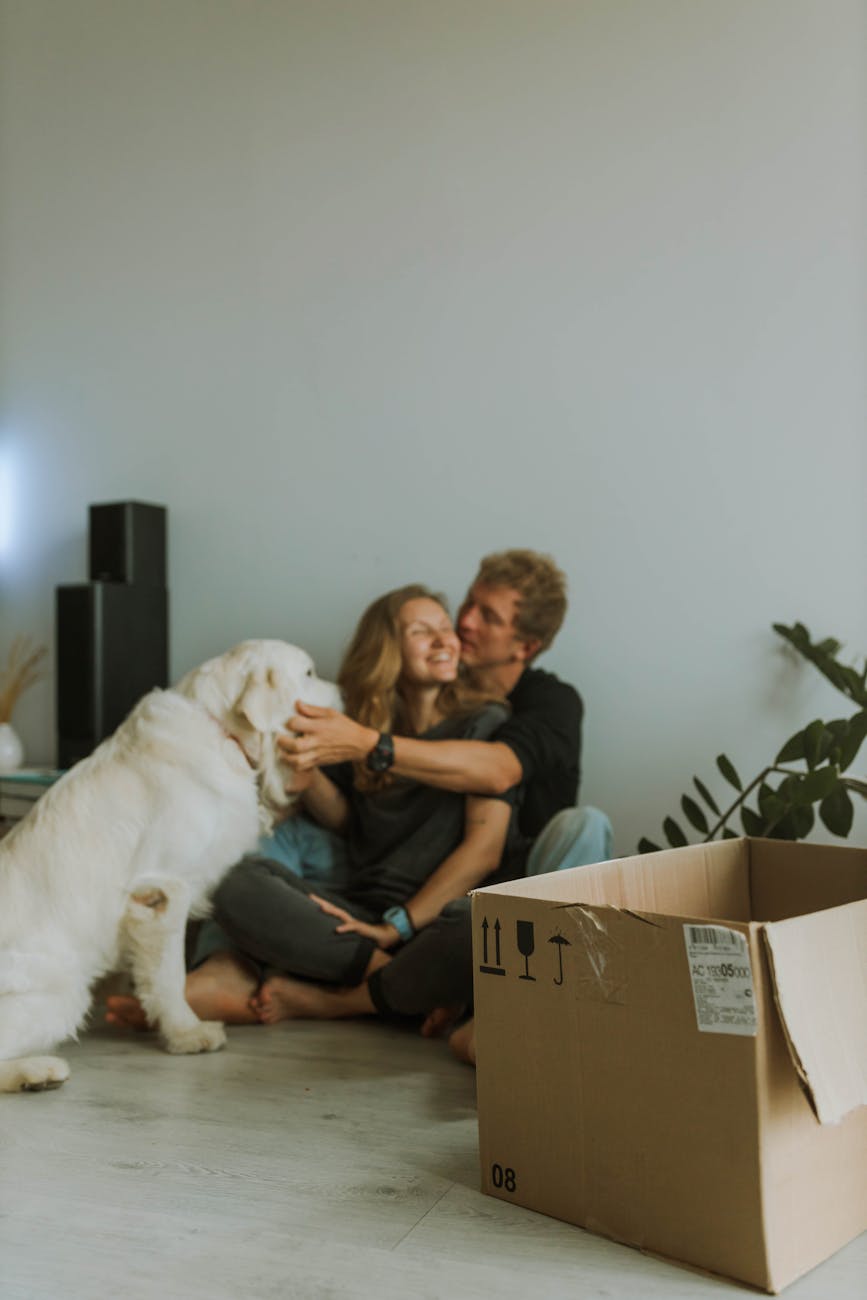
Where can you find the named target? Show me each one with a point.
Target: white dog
(103, 872)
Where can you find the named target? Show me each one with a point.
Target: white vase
(11, 749)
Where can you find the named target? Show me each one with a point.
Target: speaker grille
(112, 647)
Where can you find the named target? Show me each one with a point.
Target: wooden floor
(305, 1161)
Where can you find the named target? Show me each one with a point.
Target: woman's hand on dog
(316, 737)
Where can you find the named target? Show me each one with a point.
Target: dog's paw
(206, 1036)
(33, 1074)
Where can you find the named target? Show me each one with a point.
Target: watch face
(381, 756)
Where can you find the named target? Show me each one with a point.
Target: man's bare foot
(283, 998)
(439, 1021)
(462, 1041)
(219, 989)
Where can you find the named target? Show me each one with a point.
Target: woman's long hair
(369, 676)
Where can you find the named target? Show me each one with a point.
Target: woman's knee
(248, 884)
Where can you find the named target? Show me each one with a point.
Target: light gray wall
(363, 290)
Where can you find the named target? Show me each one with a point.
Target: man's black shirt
(544, 732)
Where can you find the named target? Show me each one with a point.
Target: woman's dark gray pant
(435, 969)
(267, 912)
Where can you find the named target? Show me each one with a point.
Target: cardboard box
(672, 1051)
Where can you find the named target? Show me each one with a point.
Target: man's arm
(323, 736)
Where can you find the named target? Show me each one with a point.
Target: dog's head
(252, 691)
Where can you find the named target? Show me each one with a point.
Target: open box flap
(819, 969)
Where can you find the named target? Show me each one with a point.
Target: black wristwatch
(381, 756)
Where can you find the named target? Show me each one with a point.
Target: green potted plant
(808, 774)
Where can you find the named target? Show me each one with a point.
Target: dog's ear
(260, 700)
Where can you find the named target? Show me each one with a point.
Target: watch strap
(381, 756)
(399, 917)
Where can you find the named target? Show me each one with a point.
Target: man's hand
(323, 736)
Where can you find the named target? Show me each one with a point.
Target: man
(512, 612)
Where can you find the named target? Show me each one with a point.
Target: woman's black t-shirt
(398, 836)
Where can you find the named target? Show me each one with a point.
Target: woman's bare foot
(126, 1012)
(219, 989)
(283, 998)
(462, 1041)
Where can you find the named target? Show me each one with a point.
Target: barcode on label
(716, 936)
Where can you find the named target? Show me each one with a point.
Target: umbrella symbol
(560, 941)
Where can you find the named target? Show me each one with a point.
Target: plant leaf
(837, 812)
(647, 846)
(673, 833)
(817, 742)
(785, 829)
(818, 784)
(839, 729)
(797, 635)
(823, 657)
(753, 823)
(772, 808)
(765, 792)
(802, 821)
(728, 770)
(706, 795)
(853, 684)
(856, 733)
(694, 814)
(789, 786)
(729, 834)
(792, 750)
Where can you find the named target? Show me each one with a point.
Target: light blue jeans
(307, 850)
(574, 837)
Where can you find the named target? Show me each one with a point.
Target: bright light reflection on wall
(7, 500)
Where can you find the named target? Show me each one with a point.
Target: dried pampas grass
(23, 668)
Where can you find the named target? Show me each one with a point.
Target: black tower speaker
(128, 543)
(112, 647)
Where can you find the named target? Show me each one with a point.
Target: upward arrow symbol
(496, 969)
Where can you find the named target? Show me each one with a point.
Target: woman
(412, 851)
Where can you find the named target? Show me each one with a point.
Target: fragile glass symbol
(526, 946)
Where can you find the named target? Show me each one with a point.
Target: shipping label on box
(722, 979)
